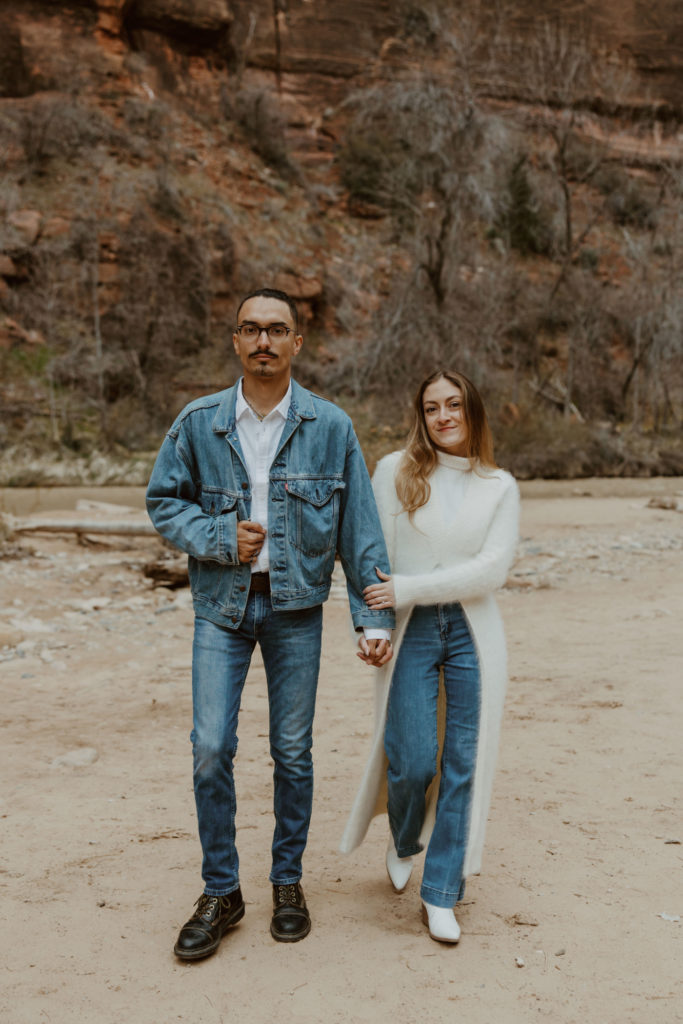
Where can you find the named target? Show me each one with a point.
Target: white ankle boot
(398, 868)
(441, 923)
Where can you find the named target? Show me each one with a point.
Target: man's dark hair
(273, 293)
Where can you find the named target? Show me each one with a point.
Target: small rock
(519, 961)
(670, 504)
(90, 604)
(300, 287)
(561, 952)
(55, 227)
(31, 625)
(78, 758)
(26, 223)
(10, 637)
(670, 917)
(7, 266)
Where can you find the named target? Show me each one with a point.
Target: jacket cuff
(365, 619)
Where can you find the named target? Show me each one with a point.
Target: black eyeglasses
(276, 332)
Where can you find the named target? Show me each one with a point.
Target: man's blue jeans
(290, 646)
(437, 636)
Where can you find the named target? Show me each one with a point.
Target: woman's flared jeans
(436, 637)
(290, 646)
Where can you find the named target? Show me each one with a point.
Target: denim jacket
(320, 502)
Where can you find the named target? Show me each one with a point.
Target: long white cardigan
(436, 562)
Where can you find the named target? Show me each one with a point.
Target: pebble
(91, 604)
(31, 625)
(81, 757)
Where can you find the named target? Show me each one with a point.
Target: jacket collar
(301, 408)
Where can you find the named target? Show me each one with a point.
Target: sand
(576, 915)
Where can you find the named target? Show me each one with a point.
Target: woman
(450, 519)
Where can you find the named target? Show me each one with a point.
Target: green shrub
(627, 200)
(521, 220)
(363, 162)
(588, 259)
(263, 122)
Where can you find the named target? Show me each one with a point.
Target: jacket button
(234, 618)
(244, 486)
(242, 589)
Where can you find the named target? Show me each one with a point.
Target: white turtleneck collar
(454, 461)
(449, 488)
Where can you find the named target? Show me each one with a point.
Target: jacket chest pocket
(313, 514)
(217, 500)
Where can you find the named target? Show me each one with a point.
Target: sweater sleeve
(480, 575)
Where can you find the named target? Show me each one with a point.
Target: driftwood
(140, 529)
(671, 504)
(168, 572)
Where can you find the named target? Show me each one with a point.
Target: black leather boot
(291, 920)
(201, 935)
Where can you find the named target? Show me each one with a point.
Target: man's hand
(375, 652)
(250, 538)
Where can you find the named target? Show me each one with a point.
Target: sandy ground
(576, 916)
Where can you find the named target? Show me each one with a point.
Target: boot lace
(287, 894)
(205, 906)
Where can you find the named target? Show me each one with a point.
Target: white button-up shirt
(259, 440)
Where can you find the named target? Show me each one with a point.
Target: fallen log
(140, 529)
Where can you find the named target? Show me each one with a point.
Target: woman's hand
(380, 595)
(374, 652)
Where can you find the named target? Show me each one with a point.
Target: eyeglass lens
(274, 331)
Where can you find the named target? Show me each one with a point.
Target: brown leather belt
(260, 583)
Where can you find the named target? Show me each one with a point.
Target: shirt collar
(242, 407)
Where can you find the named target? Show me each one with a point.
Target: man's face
(263, 356)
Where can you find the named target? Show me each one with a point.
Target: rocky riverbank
(576, 916)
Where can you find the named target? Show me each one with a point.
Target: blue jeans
(437, 637)
(290, 646)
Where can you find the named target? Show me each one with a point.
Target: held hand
(380, 595)
(250, 538)
(374, 652)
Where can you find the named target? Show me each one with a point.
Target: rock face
(339, 38)
(647, 36)
(328, 37)
(209, 17)
(315, 50)
(310, 55)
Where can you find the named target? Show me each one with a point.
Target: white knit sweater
(458, 547)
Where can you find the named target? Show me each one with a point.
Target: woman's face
(443, 412)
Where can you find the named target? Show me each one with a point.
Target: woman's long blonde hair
(420, 455)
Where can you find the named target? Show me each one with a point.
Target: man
(261, 484)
